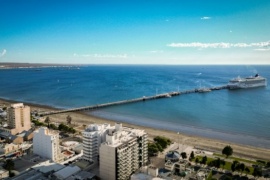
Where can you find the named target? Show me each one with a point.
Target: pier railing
(144, 98)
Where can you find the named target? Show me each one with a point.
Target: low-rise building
(9, 149)
(66, 172)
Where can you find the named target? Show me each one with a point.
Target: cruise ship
(249, 82)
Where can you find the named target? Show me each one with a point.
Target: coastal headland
(81, 118)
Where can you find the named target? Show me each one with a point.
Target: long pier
(144, 98)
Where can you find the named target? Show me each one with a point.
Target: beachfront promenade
(144, 98)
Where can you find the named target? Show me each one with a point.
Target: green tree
(184, 155)
(37, 123)
(47, 120)
(242, 167)
(160, 149)
(164, 142)
(204, 160)
(65, 128)
(222, 162)
(69, 119)
(257, 172)
(152, 149)
(191, 155)
(247, 170)
(268, 164)
(227, 150)
(53, 126)
(9, 165)
(62, 127)
(197, 160)
(218, 162)
(234, 166)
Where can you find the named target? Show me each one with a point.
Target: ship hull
(247, 84)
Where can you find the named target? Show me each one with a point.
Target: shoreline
(211, 144)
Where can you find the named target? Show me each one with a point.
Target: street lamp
(178, 133)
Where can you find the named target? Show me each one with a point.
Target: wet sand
(196, 141)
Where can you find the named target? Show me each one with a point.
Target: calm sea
(241, 116)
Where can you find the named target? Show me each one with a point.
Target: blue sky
(135, 32)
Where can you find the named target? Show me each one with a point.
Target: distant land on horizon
(7, 65)
(11, 65)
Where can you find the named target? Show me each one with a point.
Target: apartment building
(123, 152)
(46, 144)
(93, 136)
(18, 117)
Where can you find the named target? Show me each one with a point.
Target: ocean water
(241, 116)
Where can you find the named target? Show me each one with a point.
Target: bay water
(240, 116)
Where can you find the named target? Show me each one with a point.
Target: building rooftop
(66, 172)
(82, 175)
(48, 166)
(17, 105)
(97, 127)
(46, 131)
(120, 135)
(140, 176)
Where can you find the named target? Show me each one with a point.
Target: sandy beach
(199, 142)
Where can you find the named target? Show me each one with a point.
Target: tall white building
(123, 152)
(93, 136)
(18, 117)
(46, 144)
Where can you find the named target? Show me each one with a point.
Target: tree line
(60, 127)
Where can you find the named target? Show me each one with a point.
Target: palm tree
(69, 119)
(47, 120)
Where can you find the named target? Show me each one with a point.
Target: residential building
(13, 150)
(9, 149)
(18, 117)
(93, 136)
(123, 152)
(46, 144)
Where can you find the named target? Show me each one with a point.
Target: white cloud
(261, 49)
(156, 51)
(205, 18)
(220, 45)
(123, 56)
(3, 52)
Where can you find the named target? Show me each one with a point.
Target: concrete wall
(107, 162)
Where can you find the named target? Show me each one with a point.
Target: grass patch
(237, 159)
(227, 165)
